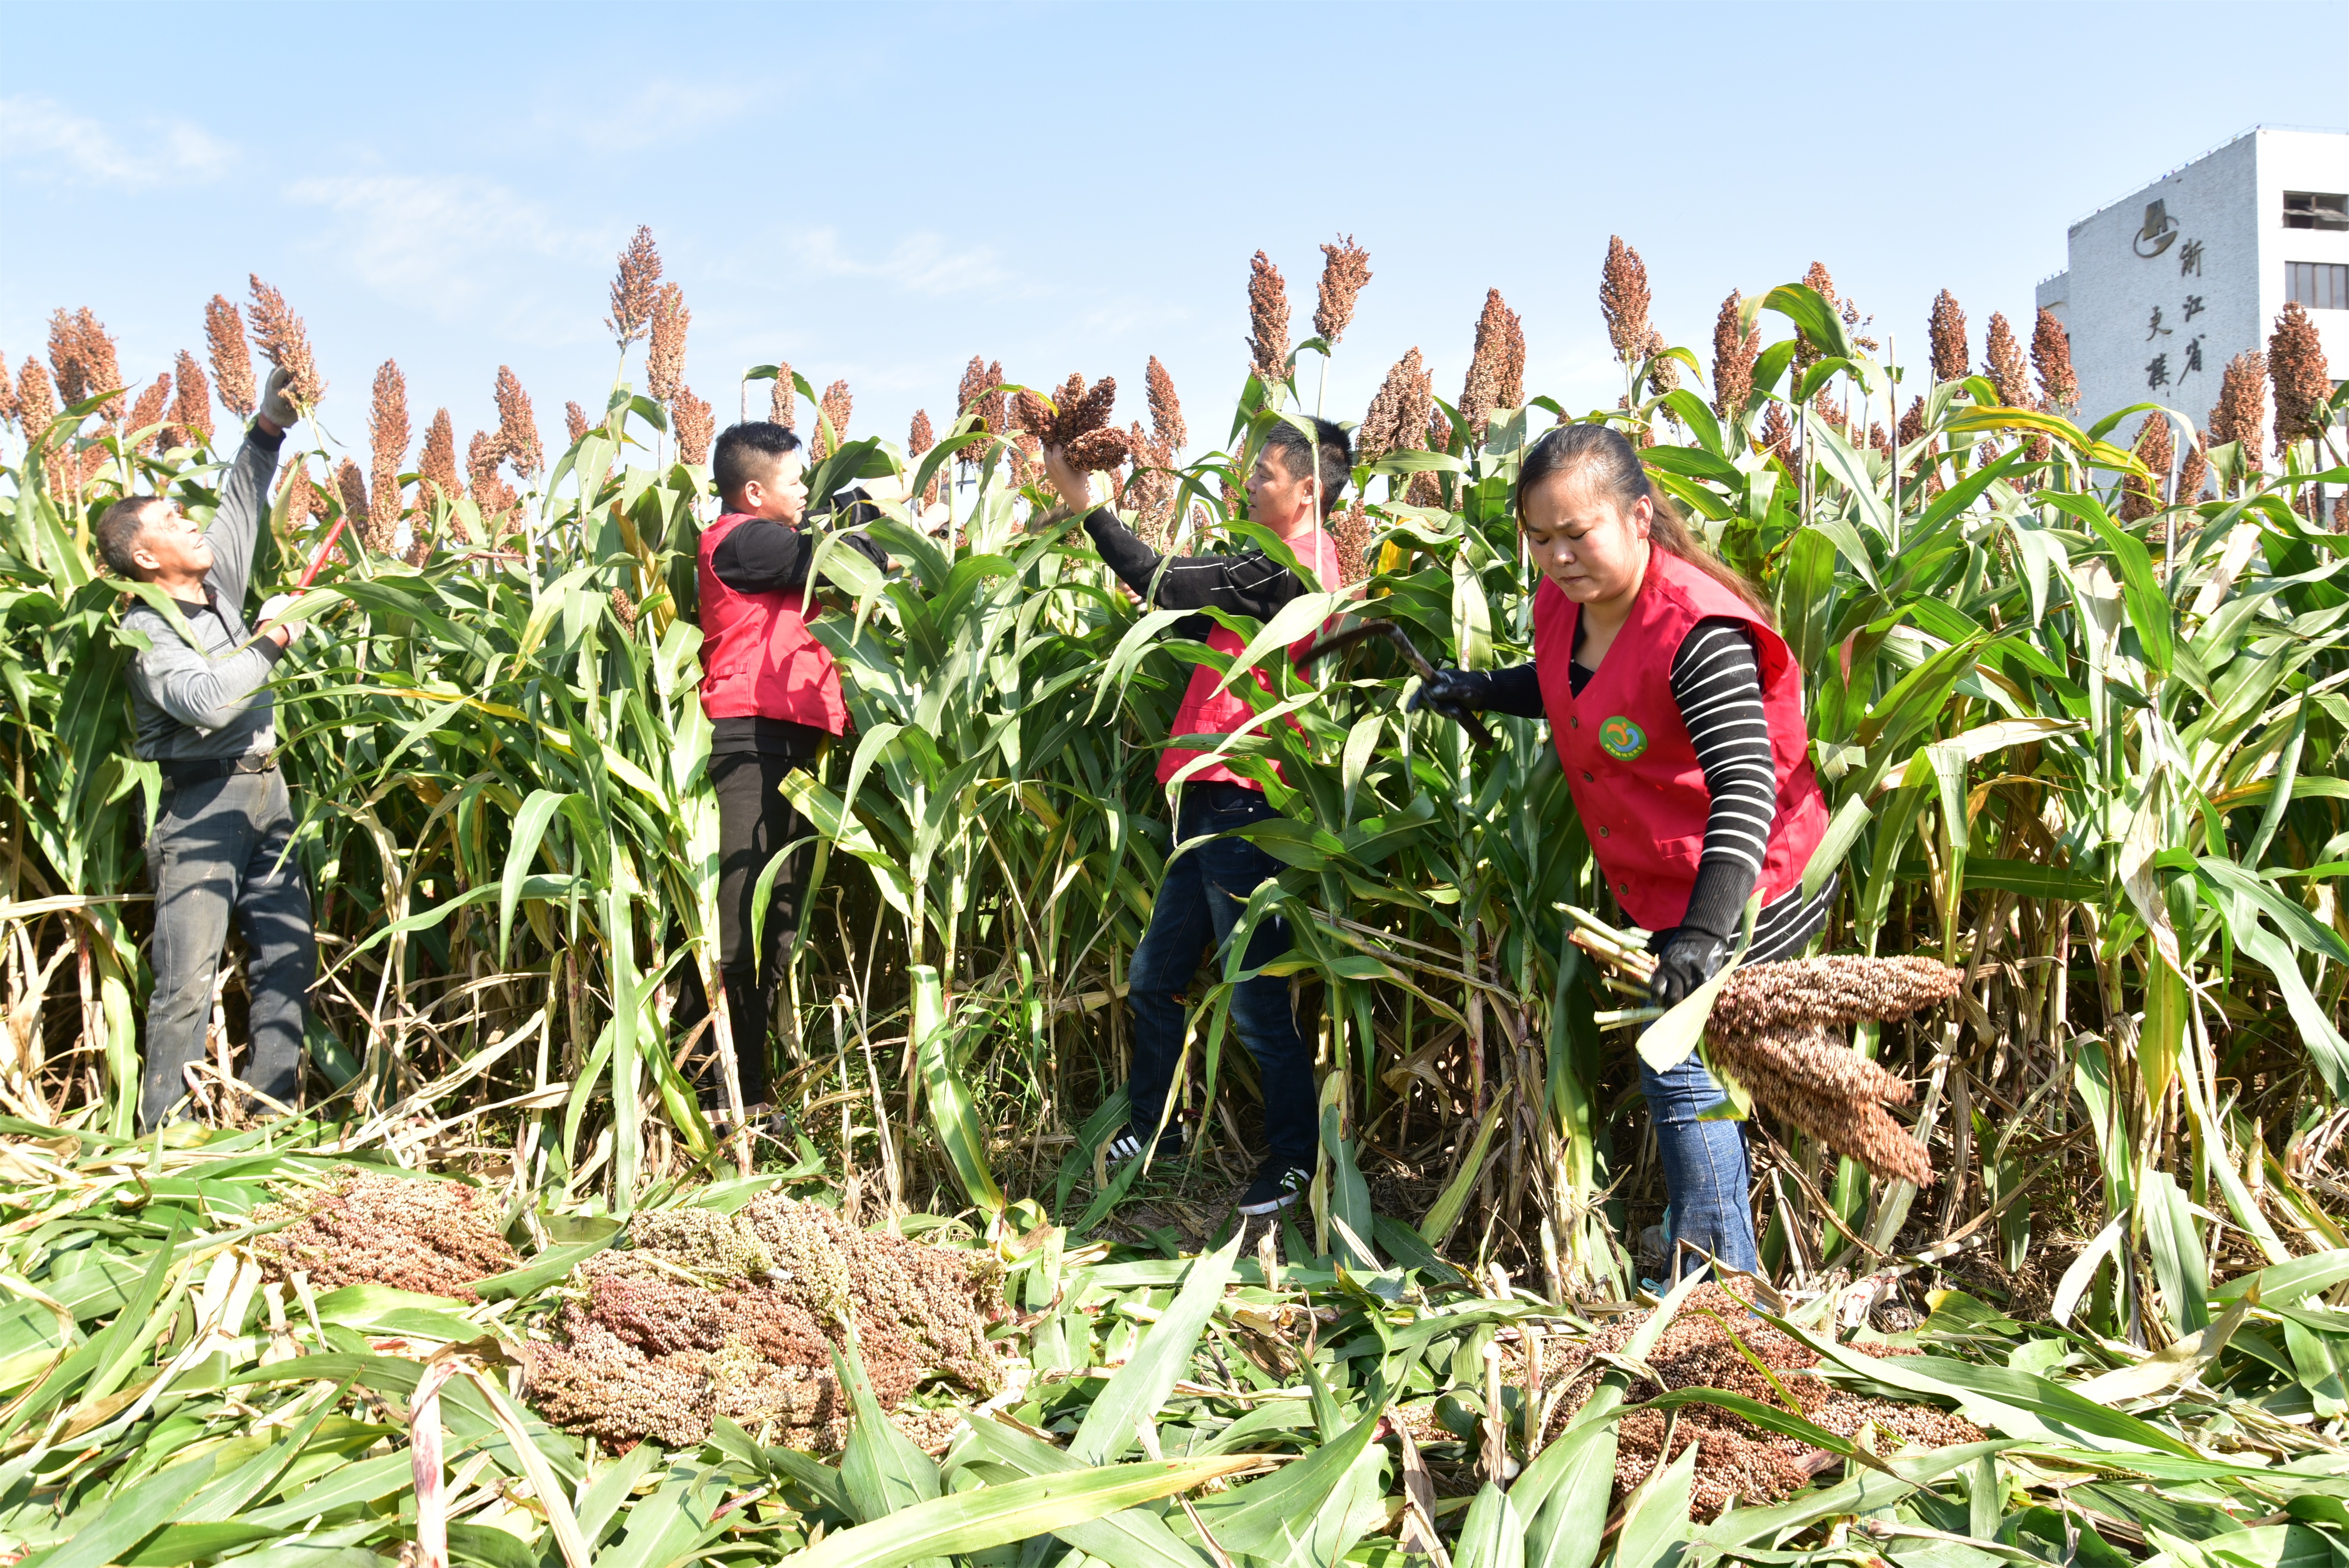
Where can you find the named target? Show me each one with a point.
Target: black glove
(1451, 692)
(1685, 959)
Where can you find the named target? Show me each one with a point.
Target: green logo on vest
(1621, 739)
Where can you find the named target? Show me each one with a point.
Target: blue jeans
(1196, 906)
(1706, 1171)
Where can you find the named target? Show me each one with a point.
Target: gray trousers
(220, 847)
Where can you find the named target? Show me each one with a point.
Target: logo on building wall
(2159, 233)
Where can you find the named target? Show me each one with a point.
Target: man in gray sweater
(221, 840)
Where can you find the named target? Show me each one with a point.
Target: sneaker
(1274, 1189)
(1131, 1143)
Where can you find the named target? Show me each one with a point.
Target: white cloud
(663, 112)
(921, 263)
(51, 139)
(449, 244)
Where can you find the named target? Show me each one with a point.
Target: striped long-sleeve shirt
(1716, 683)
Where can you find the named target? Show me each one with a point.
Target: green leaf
(974, 1520)
(1656, 1514)
(141, 1509)
(1142, 1384)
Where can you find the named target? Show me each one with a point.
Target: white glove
(277, 400)
(276, 606)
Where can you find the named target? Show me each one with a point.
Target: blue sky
(879, 192)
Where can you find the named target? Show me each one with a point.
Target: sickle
(1389, 631)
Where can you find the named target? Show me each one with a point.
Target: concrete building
(2166, 284)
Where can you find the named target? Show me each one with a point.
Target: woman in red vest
(1676, 711)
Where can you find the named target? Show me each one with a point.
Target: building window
(2315, 210)
(2317, 286)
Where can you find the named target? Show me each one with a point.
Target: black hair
(119, 529)
(749, 451)
(1603, 454)
(1337, 455)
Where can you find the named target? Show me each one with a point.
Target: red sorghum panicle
(1734, 353)
(2241, 408)
(2051, 360)
(387, 447)
(1267, 342)
(1776, 1027)
(436, 468)
(1623, 300)
(1808, 353)
(518, 425)
(664, 355)
(574, 422)
(81, 352)
(191, 408)
(232, 357)
(1948, 331)
(1166, 409)
(1912, 423)
(2296, 368)
(491, 494)
(633, 287)
(783, 406)
(696, 425)
(36, 398)
(1350, 532)
(411, 1233)
(1397, 420)
(7, 394)
(148, 410)
(351, 485)
(836, 405)
(2194, 473)
(706, 1315)
(1347, 267)
(919, 438)
(2157, 450)
(284, 343)
(1496, 367)
(2004, 364)
(1778, 434)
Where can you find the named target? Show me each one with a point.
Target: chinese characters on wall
(2189, 264)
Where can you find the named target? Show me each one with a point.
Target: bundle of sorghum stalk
(1778, 1027)
(1077, 421)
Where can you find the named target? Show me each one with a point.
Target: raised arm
(243, 502)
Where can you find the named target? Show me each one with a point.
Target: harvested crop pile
(413, 1233)
(1078, 419)
(1778, 1028)
(1738, 1459)
(706, 1315)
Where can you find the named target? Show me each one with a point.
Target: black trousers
(218, 852)
(754, 821)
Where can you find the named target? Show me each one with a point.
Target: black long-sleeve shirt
(1716, 682)
(1250, 583)
(762, 556)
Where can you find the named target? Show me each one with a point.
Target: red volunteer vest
(1628, 756)
(1205, 710)
(758, 658)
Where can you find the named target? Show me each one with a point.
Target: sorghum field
(498, 1296)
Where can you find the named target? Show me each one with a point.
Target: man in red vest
(773, 701)
(1291, 489)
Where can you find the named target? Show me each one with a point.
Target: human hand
(1076, 491)
(281, 632)
(277, 410)
(1688, 959)
(1450, 692)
